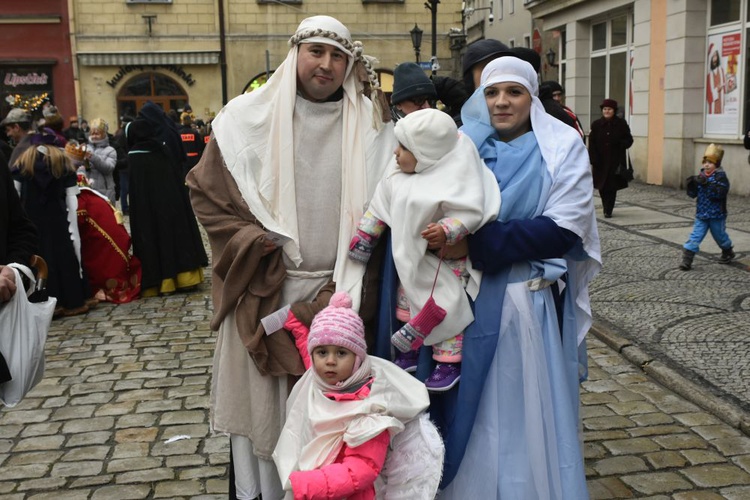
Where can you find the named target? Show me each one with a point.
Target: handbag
(625, 170)
(23, 331)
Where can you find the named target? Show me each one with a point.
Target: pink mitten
(299, 332)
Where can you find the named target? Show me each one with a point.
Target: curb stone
(727, 412)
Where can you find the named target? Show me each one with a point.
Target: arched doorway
(155, 87)
(257, 82)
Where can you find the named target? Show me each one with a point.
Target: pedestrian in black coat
(18, 242)
(609, 139)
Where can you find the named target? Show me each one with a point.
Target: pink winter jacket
(351, 476)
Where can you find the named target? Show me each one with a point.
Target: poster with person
(722, 83)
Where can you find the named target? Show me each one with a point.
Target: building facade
(35, 57)
(207, 51)
(678, 68)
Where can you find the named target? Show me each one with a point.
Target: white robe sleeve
(71, 201)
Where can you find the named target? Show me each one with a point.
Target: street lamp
(416, 39)
(551, 54)
(432, 6)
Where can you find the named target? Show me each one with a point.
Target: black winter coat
(18, 237)
(608, 142)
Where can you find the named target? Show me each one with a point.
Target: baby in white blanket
(439, 192)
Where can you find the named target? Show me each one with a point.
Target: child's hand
(435, 236)
(268, 246)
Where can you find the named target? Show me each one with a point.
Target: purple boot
(407, 361)
(443, 377)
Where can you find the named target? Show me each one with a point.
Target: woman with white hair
(513, 429)
(101, 160)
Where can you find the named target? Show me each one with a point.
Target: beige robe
(248, 389)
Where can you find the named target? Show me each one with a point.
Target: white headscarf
(569, 204)
(510, 69)
(255, 136)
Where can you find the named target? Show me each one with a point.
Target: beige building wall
(256, 36)
(668, 81)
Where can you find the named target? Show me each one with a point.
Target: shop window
(724, 11)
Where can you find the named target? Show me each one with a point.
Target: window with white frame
(610, 42)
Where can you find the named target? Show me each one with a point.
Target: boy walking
(710, 187)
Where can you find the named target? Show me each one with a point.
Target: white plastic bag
(23, 332)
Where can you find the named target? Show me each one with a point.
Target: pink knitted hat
(339, 325)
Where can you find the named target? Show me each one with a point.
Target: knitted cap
(409, 81)
(339, 325)
(429, 134)
(714, 154)
(553, 86)
(609, 103)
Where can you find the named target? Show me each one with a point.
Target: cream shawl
(317, 427)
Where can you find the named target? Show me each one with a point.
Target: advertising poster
(722, 83)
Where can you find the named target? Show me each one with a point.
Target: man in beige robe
(293, 163)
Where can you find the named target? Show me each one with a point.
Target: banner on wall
(723, 83)
(630, 81)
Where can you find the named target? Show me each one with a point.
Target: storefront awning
(146, 58)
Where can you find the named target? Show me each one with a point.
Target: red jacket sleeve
(357, 470)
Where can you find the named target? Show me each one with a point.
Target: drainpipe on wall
(74, 56)
(222, 53)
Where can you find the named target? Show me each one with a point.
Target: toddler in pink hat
(344, 411)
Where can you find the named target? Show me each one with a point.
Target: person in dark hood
(452, 93)
(165, 233)
(551, 92)
(477, 56)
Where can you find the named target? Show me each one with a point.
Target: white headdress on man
(256, 139)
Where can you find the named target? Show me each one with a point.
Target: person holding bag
(20, 332)
(609, 140)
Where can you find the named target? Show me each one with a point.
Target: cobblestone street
(122, 410)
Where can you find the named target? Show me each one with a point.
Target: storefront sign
(177, 70)
(13, 79)
(25, 86)
(723, 83)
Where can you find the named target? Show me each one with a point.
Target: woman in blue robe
(511, 429)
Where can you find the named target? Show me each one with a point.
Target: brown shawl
(248, 282)
(243, 279)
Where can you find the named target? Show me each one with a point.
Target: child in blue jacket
(710, 187)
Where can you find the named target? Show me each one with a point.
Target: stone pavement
(123, 380)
